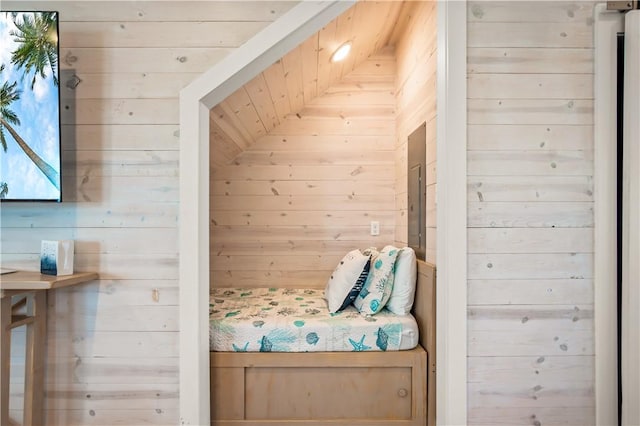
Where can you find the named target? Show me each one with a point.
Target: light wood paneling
(102, 370)
(529, 34)
(103, 11)
(501, 11)
(527, 292)
(286, 216)
(129, 85)
(108, 344)
(530, 111)
(328, 218)
(530, 213)
(120, 111)
(297, 82)
(531, 265)
(140, 396)
(530, 86)
(105, 417)
(161, 137)
(534, 188)
(538, 240)
(120, 213)
(526, 60)
(169, 59)
(530, 137)
(284, 188)
(554, 416)
(328, 172)
(416, 104)
(522, 214)
(113, 344)
(296, 387)
(134, 34)
(525, 381)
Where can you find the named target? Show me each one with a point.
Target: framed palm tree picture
(30, 145)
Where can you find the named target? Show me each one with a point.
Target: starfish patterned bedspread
(290, 320)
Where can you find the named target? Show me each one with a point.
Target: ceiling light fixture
(341, 52)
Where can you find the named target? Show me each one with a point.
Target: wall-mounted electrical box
(417, 191)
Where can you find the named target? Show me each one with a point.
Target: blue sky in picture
(38, 112)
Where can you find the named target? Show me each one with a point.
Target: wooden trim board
(607, 24)
(451, 293)
(630, 348)
(425, 311)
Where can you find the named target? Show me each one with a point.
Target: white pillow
(343, 278)
(377, 288)
(404, 283)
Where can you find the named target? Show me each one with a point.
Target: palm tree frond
(3, 141)
(38, 44)
(9, 94)
(4, 189)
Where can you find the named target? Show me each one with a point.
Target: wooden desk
(27, 291)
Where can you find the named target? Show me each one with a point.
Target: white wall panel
(530, 213)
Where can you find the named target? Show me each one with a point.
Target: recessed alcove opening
(213, 87)
(308, 153)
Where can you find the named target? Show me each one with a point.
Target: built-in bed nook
(315, 164)
(363, 387)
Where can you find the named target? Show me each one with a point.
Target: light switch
(375, 227)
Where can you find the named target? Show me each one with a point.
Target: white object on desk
(56, 257)
(6, 271)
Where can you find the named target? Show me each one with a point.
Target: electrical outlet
(375, 227)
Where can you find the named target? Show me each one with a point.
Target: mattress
(290, 320)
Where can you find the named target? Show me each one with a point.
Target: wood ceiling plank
(389, 24)
(277, 84)
(310, 67)
(326, 46)
(402, 21)
(360, 29)
(258, 92)
(231, 126)
(240, 126)
(349, 62)
(344, 33)
(375, 14)
(242, 106)
(223, 149)
(381, 69)
(287, 88)
(292, 66)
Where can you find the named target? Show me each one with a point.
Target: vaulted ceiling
(303, 74)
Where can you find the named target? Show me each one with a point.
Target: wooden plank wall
(291, 205)
(416, 104)
(113, 344)
(530, 213)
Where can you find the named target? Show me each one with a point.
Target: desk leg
(5, 357)
(34, 362)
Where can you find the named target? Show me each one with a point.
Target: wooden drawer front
(227, 393)
(327, 393)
